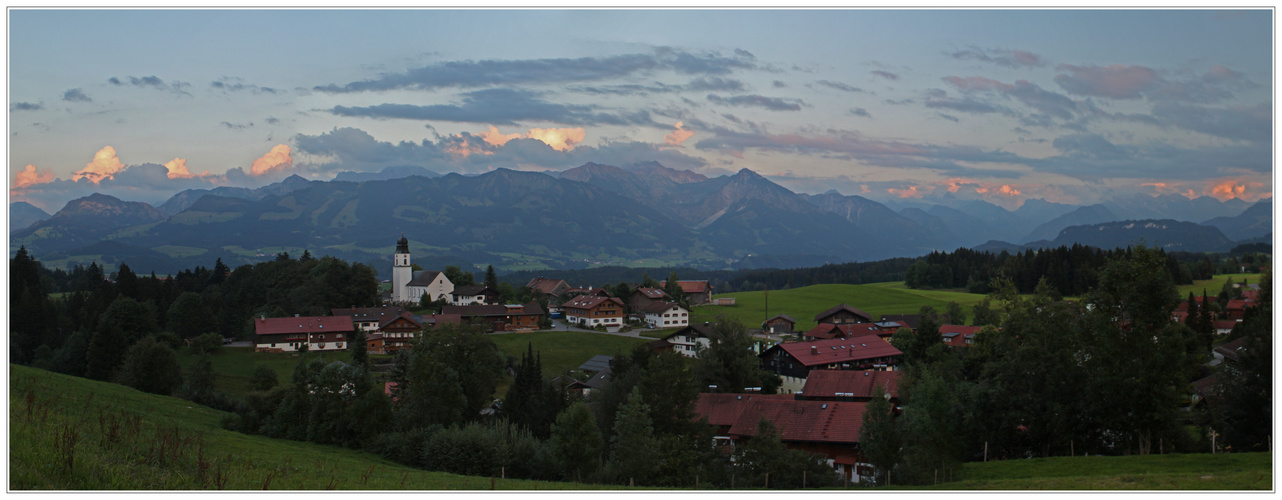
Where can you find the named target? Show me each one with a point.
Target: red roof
(959, 329)
(857, 383)
(699, 286)
(546, 285)
(1237, 305)
(590, 301)
(652, 293)
(303, 324)
(1224, 324)
(414, 320)
(839, 350)
(813, 421)
(831, 331)
(724, 408)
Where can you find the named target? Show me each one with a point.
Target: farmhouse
(641, 298)
(666, 314)
(593, 310)
(313, 333)
(843, 315)
(689, 340)
(547, 286)
(500, 318)
(793, 361)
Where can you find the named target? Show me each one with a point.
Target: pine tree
(878, 437)
(491, 279)
(633, 448)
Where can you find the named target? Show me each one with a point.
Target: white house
(690, 340)
(666, 315)
(593, 310)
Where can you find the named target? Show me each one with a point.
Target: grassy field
(563, 351)
(805, 302)
(68, 433)
(1213, 285)
(234, 365)
(1223, 471)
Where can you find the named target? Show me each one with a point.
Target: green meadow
(1213, 285)
(804, 303)
(563, 351)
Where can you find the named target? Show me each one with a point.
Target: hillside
(68, 433)
(805, 302)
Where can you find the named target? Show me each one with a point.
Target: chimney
(814, 351)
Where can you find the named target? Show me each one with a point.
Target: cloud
(496, 138)
(778, 84)
(75, 95)
(885, 74)
(1049, 104)
(940, 99)
(227, 84)
(770, 103)
(152, 82)
(1008, 190)
(472, 74)
(560, 139)
(237, 125)
(500, 107)
(30, 176)
(860, 112)
(1001, 57)
(714, 83)
(839, 86)
(1242, 123)
(278, 159)
(26, 106)
(105, 164)
(1115, 81)
(272, 120)
(911, 191)
(678, 136)
(177, 169)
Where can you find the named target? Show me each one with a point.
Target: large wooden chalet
(594, 310)
(500, 318)
(793, 361)
(313, 333)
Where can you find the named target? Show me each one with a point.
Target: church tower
(402, 273)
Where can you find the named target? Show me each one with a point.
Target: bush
(208, 343)
(403, 447)
(150, 366)
(263, 378)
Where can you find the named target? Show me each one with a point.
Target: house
(1230, 351)
(849, 385)
(474, 294)
(571, 386)
(641, 298)
(500, 318)
(830, 429)
(368, 318)
(314, 333)
(666, 315)
(549, 287)
(593, 310)
(598, 363)
(698, 291)
(843, 315)
(1236, 309)
(780, 323)
(598, 292)
(912, 321)
(825, 331)
(958, 335)
(793, 361)
(722, 409)
(434, 284)
(689, 340)
(396, 333)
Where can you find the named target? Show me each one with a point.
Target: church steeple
(403, 245)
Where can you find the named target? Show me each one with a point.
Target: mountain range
(645, 215)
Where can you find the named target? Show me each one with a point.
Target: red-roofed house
(368, 318)
(547, 286)
(827, 331)
(849, 385)
(793, 361)
(641, 298)
(830, 429)
(666, 314)
(317, 333)
(1236, 310)
(501, 317)
(593, 310)
(698, 291)
(395, 333)
(958, 335)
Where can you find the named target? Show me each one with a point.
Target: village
(827, 375)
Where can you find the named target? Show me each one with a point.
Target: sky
(1069, 106)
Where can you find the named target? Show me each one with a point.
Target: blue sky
(1072, 106)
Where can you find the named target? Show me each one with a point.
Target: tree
(984, 314)
(263, 378)
(458, 276)
(1243, 412)
(878, 437)
(576, 442)
(359, 348)
(188, 316)
(150, 366)
(134, 319)
(491, 279)
(476, 362)
(106, 351)
(633, 449)
(208, 343)
(531, 401)
(672, 287)
(956, 316)
(668, 387)
(728, 362)
(198, 383)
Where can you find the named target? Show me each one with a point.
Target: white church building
(409, 288)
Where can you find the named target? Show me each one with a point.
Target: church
(407, 288)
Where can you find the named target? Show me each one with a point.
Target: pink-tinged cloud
(911, 191)
(863, 189)
(178, 169)
(956, 184)
(276, 159)
(977, 83)
(1026, 58)
(1220, 73)
(1009, 190)
(30, 176)
(462, 148)
(1189, 194)
(1250, 191)
(1116, 81)
(678, 136)
(105, 164)
(560, 139)
(496, 138)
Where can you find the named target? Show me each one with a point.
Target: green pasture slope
(563, 351)
(234, 365)
(1174, 472)
(805, 302)
(68, 433)
(1213, 285)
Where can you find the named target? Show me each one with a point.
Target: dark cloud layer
(1001, 57)
(839, 86)
(471, 74)
(152, 82)
(26, 106)
(75, 95)
(758, 101)
(501, 107)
